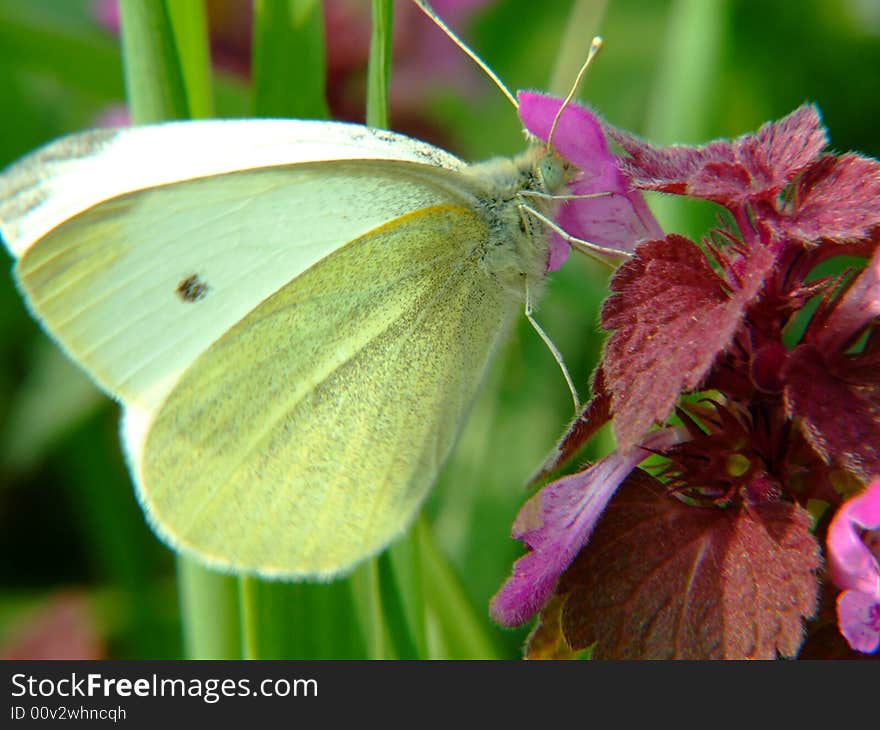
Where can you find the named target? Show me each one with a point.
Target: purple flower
(557, 522)
(618, 218)
(854, 565)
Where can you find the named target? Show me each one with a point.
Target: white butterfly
(295, 316)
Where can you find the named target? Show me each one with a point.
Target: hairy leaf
(662, 579)
(671, 315)
(752, 166)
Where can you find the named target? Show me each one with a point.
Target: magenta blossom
(618, 218)
(854, 566)
(557, 522)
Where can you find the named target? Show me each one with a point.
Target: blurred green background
(80, 573)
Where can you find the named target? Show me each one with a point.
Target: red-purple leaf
(752, 166)
(782, 149)
(661, 579)
(671, 315)
(836, 198)
(851, 312)
(841, 421)
(557, 522)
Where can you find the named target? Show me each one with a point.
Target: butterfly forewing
(137, 287)
(77, 172)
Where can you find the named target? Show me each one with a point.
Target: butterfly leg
(608, 256)
(550, 346)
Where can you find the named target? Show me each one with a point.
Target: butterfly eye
(552, 173)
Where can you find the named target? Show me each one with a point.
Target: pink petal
(850, 563)
(618, 220)
(556, 523)
(858, 616)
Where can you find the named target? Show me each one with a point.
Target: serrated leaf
(840, 420)
(671, 316)
(752, 166)
(662, 579)
(836, 198)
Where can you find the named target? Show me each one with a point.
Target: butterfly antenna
(595, 47)
(429, 11)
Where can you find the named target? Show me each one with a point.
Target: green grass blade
(288, 59)
(379, 66)
(404, 561)
(209, 612)
(190, 28)
(584, 22)
(683, 96)
(299, 621)
(367, 597)
(462, 631)
(154, 79)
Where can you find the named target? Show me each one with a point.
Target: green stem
(249, 615)
(154, 81)
(190, 28)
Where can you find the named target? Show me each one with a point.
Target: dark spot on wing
(192, 289)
